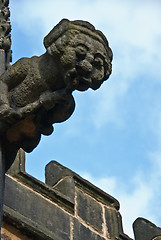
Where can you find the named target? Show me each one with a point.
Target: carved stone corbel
(36, 92)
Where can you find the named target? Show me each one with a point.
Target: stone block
(146, 230)
(114, 222)
(37, 211)
(66, 187)
(54, 172)
(83, 233)
(18, 165)
(45, 211)
(89, 210)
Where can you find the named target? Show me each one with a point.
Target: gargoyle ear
(49, 51)
(56, 32)
(53, 50)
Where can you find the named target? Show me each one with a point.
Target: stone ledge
(25, 225)
(32, 211)
(55, 208)
(45, 190)
(96, 192)
(54, 172)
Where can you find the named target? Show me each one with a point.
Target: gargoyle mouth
(71, 79)
(75, 80)
(84, 83)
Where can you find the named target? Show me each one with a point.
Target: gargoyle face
(85, 63)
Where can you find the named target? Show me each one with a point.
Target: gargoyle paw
(9, 115)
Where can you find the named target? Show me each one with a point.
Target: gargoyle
(37, 92)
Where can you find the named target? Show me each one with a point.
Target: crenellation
(80, 217)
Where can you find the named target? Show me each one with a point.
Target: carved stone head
(83, 52)
(78, 57)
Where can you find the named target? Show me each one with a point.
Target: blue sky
(114, 136)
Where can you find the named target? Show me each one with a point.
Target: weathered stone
(2, 182)
(40, 211)
(67, 187)
(5, 57)
(2, 61)
(146, 230)
(54, 172)
(113, 221)
(89, 210)
(83, 233)
(11, 233)
(114, 224)
(37, 92)
(96, 192)
(5, 29)
(61, 179)
(18, 165)
(36, 211)
(5, 237)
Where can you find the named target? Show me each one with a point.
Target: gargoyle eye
(81, 51)
(98, 62)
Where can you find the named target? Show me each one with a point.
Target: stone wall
(65, 207)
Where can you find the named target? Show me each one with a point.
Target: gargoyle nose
(85, 66)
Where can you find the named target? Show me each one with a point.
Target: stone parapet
(66, 207)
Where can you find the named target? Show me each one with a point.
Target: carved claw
(9, 115)
(49, 99)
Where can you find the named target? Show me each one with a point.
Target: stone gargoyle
(37, 92)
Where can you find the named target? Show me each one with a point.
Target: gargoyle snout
(85, 67)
